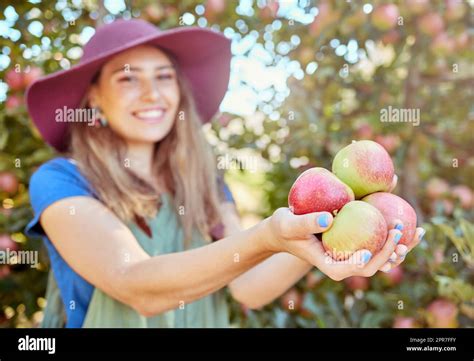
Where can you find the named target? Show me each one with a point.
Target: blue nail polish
(422, 234)
(397, 238)
(399, 227)
(323, 220)
(366, 257)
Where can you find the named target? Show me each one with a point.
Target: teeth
(150, 114)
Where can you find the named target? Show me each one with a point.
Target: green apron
(104, 311)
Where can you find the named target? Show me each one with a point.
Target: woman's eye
(165, 76)
(126, 79)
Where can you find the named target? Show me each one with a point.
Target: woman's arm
(278, 272)
(98, 246)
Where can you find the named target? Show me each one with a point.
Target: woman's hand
(402, 250)
(295, 234)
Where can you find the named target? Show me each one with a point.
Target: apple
(224, 119)
(391, 37)
(318, 190)
(364, 131)
(417, 6)
(385, 17)
(395, 208)
(8, 182)
(306, 55)
(405, 322)
(464, 195)
(365, 166)
(442, 313)
(358, 225)
(270, 10)
(7, 243)
(394, 276)
(437, 188)
(13, 102)
(292, 300)
(443, 44)
(462, 40)
(455, 9)
(214, 7)
(431, 24)
(14, 79)
(4, 271)
(357, 283)
(326, 17)
(390, 142)
(33, 74)
(313, 279)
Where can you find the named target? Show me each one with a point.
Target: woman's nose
(151, 91)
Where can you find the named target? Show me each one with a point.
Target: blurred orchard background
(308, 77)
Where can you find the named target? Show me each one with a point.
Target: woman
(129, 214)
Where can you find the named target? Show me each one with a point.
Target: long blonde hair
(183, 160)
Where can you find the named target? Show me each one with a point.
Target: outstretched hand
(295, 234)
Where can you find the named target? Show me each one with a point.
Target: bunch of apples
(356, 192)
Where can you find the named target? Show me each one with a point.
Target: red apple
(326, 17)
(318, 190)
(391, 37)
(14, 79)
(358, 225)
(313, 279)
(431, 24)
(462, 40)
(224, 119)
(365, 166)
(8, 182)
(4, 271)
(7, 243)
(13, 102)
(214, 7)
(464, 195)
(390, 142)
(270, 10)
(437, 188)
(394, 276)
(442, 313)
(455, 9)
(155, 12)
(395, 208)
(33, 74)
(364, 131)
(306, 55)
(405, 322)
(385, 17)
(357, 283)
(417, 6)
(292, 300)
(443, 44)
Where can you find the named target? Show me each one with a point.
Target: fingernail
(323, 220)
(397, 238)
(399, 227)
(366, 257)
(422, 234)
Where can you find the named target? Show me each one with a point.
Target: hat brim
(202, 54)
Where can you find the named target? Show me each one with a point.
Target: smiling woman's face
(138, 93)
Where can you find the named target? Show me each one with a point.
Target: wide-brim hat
(203, 55)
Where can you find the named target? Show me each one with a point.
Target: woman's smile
(151, 115)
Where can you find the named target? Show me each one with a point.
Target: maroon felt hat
(203, 55)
